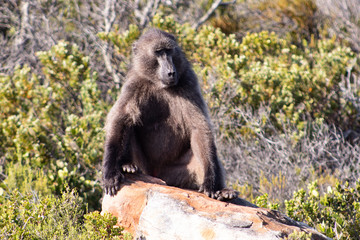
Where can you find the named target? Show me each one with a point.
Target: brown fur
(160, 123)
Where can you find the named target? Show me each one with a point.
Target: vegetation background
(281, 78)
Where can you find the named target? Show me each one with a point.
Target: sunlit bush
(51, 128)
(29, 216)
(300, 85)
(336, 212)
(53, 124)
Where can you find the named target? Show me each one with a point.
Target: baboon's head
(158, 58)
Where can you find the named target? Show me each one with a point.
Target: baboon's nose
(171, 74)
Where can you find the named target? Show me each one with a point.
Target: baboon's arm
(119, 126)
(115, 154)
(204, 150)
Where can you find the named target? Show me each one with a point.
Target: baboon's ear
(172, 37)
(134, 47)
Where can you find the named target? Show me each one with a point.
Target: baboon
(160, 124)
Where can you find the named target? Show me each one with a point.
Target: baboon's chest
(161, 141)
(160, 112)
(162, 132)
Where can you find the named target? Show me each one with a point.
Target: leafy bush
(336, 212)
(53, 123)
(30, 216)
(300, 85)
(25, 216)
(277, 109)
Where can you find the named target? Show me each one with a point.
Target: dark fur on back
(160, 124)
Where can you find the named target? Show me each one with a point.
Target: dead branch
(211, 10)
(109, 19)
(147, 13)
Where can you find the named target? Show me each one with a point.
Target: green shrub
(51, 124)
(30, 216)
(122, 41)
(300, 85)
(54, 123)
(26, 179)
(299, 236)
(336, 213)
(263, 201)
(27, 217)
(97, 226)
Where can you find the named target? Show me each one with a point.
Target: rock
(149, 209)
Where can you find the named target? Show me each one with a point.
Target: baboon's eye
(168, 51)
(159, 52)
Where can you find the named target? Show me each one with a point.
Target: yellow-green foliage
(336, 212)
(295, 19)
(122, 42)
(245, 191)
(299, 236)
(300, 85)
(274, 186)
(97, 226)
(51, 124)
(301, 12)
(28, 216)
(54, 123)
(269, 193)
(26, 179)
(263, 201)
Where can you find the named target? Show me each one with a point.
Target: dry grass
(274, 163)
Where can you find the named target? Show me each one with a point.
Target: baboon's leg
(186, 172)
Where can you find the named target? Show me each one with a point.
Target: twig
(212, 9)
(147, 13)
(109, 19)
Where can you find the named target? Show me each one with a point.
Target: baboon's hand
(226, 194)
(222, 195)
(129, 168)
(207, 191)
(112, 184)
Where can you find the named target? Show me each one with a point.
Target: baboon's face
(158, 58)
(166, 70)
